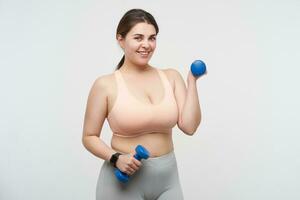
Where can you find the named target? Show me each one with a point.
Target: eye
(153, 38)
(138, 38)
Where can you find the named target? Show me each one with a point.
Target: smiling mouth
(144, 53)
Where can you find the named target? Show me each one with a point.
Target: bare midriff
(156, 143)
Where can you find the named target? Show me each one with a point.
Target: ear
(120, 40)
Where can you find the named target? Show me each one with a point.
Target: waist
(161, 159)
(134, 135)
(156, 143)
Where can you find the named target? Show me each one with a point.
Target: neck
(133, 68)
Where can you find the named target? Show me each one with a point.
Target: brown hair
(129, 20)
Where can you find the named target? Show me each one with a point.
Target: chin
(142, 63)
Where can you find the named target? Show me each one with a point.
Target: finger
(137, 163)
(130, 171)
(134, 166)
(130, 168)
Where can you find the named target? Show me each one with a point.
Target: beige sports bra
(129, 117)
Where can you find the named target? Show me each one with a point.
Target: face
(139, 43)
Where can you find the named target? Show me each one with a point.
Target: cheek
(132, 47)
(153, 45)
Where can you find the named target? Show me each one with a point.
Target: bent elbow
(84, 140)
(189, 130)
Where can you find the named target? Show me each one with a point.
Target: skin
(149, 90)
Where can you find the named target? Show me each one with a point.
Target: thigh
(109, 188)
(168, 181)
(174, 193)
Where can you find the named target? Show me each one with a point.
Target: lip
(143, 51)
(144, 55)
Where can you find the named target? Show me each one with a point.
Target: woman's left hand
(193, 78)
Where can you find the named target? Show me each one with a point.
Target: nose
(145, 44)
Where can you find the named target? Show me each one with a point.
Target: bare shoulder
(105, 79)
(172, 74)
(105, 83)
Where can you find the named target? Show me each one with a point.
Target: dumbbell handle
(136, 156)
(122, 176)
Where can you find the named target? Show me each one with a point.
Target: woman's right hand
(128, 164)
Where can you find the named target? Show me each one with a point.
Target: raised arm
(95, 114)
(188, 103)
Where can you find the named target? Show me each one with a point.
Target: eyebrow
(138, 34)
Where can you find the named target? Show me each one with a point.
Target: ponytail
(121, 63)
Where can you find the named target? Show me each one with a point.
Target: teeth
(143, 52)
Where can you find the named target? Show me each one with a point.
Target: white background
(247, 145)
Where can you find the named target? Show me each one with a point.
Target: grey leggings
(157, 179)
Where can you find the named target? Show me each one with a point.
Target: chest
(148, 90)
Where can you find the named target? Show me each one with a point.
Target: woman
(142, 104)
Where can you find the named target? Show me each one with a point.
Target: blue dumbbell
(141, 153)
(198, 68)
